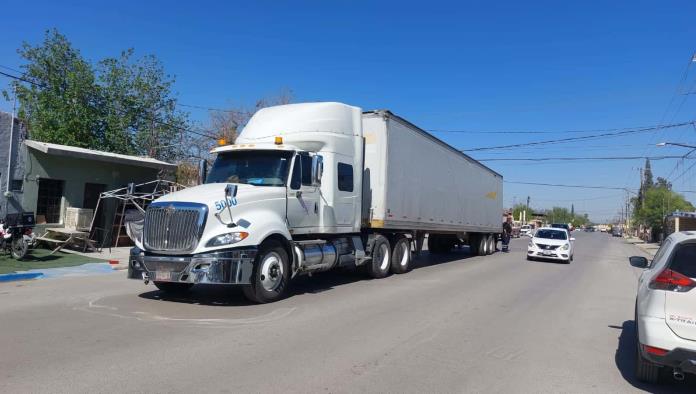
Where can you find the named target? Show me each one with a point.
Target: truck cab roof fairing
(329, 123)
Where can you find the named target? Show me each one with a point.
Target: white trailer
(310, 187)
(415, 181)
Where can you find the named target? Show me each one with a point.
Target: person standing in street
(507, 233)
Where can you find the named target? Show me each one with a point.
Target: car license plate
(546, 252)
(163, 275)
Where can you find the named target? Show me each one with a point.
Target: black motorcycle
(16, 234)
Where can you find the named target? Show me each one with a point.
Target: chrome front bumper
(229, 267)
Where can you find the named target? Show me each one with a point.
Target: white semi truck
(310, 187)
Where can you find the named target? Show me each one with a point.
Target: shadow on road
(220, 295)
(212, 295)
(625, 361)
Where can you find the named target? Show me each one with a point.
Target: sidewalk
(117, 257)
(649, 248)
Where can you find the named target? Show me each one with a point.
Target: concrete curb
(20, 276)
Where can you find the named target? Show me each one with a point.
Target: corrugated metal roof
(90, 154)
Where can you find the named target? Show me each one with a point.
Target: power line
(468, 131)
(585, 137)
(569, 186)
(209, 108)
(579, 158)
(683, 173)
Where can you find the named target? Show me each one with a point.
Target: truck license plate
(163, 275)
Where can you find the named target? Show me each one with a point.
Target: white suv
(666, 309)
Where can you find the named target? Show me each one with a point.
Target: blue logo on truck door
(222, 204)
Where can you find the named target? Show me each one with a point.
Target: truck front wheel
(271, 274)
(381, 257)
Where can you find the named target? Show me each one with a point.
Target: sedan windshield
(258, 168)
(551, 234)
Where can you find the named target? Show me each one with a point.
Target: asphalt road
(455, 324)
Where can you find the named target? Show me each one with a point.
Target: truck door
(302, 197)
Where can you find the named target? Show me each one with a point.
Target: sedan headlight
(227, 239)
(565, 247)
(531, 244)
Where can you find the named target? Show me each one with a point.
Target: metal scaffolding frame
(131, 195)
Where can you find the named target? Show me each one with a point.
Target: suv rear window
(684, 260)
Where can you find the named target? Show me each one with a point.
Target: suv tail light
(672, 281)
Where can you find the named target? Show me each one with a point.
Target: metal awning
(90, 154)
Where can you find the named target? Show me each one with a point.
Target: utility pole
(8, 194)
(526, 211)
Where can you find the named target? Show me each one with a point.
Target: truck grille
(173, 227)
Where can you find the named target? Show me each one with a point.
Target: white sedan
(551, 243)
(665, 312)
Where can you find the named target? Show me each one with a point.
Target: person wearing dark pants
(507, 233)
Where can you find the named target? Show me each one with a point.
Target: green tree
(62, 106)
(517, 210)
(139, 110)
(124, 105)
(659, 202)
(647, 176)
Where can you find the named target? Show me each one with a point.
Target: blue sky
(541, 66)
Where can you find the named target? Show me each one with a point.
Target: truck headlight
(565, 247)
(227, 239)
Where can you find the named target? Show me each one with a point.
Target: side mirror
(202, 171)
(638, 261)
(317, 169)
(230, 190)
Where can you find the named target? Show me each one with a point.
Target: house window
(345, 177)
(49, 200)
(16, 185)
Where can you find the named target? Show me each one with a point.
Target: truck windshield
(258, 168)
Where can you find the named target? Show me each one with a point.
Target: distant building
(49, 178)
(680, 221)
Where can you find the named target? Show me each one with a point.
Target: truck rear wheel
(271, 274)
(381, 257)
(491, 243)
(483, 245)
(401, 256)
(173, 287)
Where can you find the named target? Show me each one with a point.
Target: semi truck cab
(294, 173)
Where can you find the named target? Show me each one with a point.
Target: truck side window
(296, 174)
(345, 177)
(306, 169)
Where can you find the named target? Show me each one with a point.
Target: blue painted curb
(20, 276)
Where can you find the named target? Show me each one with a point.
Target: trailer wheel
(491, 244)
(483, 245)
(401, 256)
(271, 274)
(381, 257)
